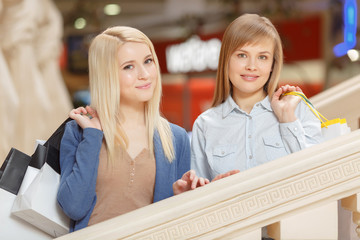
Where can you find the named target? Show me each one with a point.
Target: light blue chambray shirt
(226, 138)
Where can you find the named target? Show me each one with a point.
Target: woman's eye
(263, 57)
(128, 67)
(149, 60)
(242, 55)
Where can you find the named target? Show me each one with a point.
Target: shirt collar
(229, 105)
(266, 103)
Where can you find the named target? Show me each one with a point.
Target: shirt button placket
(249, 142)
(132, 172)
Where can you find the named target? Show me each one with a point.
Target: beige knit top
(125, 186)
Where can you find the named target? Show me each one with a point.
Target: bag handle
(312, 108)
(50, 151)
(53, 147)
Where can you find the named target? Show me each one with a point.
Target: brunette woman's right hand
(224, 175)
(284, 106)
(86, 117)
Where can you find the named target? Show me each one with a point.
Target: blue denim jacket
(79, 160)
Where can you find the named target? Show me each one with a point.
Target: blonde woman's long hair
(246, 29)
(105, 91)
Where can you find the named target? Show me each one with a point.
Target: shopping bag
(36, 162)
(36, 202)
(12, 173)
(334, 128)
(329, 128)
(13, 170)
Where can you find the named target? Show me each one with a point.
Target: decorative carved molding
(246, 201)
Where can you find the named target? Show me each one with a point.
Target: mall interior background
(187, 36)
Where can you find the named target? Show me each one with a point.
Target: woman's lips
(145, 86)
(249, 77)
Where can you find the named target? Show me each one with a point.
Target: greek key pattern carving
(242, 207)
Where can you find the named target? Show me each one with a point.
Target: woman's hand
(224, 175)
(86, 117)
(284, 106)
(188, 181)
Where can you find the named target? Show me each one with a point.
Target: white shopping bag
(334, 128)
(12, 173)
(12, 227)
(38, 205)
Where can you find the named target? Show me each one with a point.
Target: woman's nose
(251, 65)
(143, 73)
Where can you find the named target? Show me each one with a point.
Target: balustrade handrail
(338, 91)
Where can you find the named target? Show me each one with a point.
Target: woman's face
(250, 67)
(138, 73)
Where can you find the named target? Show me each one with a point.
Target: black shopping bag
(13, 170)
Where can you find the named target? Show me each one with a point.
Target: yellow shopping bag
(329, 128)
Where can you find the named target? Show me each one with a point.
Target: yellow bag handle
(324, 121)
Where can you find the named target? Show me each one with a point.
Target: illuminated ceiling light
(353, 55)
(112, 9)
(80, 23)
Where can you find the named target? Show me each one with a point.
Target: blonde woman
(250, 122)
(120, 154)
